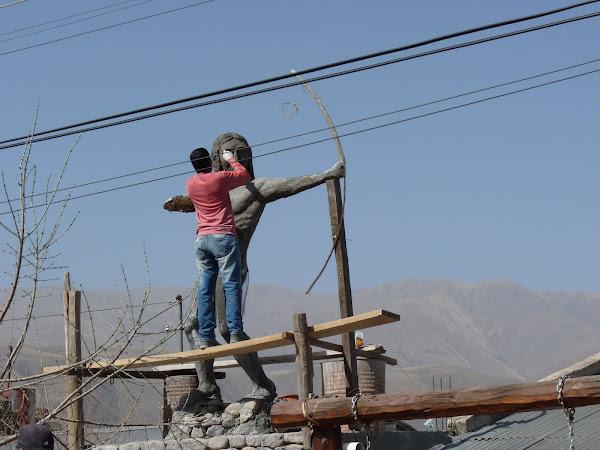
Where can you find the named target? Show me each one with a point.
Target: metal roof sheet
(538, 430)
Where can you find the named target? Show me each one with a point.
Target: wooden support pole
(512, 398)
(72, 308)
(338, 231)
(327, 439)
(304, 363)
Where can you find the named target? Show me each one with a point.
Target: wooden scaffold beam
(330, 412)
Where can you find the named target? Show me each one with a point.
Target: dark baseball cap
(35, 437)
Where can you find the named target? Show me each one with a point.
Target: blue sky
(502, 190)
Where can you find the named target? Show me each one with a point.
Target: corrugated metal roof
(538, 430)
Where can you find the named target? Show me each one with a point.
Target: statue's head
(236, 144)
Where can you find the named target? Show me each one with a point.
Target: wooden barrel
(371, 377)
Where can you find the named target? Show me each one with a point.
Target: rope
(312, 422)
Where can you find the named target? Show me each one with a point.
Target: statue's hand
(181, 203)
(338, 170)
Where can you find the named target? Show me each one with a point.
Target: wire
(75, 21)
(64, 18)
(316, 69)
(306, 133)
(376, 127)
(45, 316)
(6, 5)
(108, 27)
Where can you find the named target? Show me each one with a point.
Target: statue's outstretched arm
(272, 189)
(181, 203)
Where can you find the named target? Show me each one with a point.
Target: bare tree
(34, 223)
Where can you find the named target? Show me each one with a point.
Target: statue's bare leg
(261, 386)
(207, 385)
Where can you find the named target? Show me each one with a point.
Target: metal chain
(360, 423)
(569, 412)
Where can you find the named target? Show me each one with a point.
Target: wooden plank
(237, 348)
(365, 320)
(338, 349)
(147, 373)
(162, 371)
(420, 405)
(357, 322)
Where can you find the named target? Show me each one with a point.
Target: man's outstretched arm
(272, 189)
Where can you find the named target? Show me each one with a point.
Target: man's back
(209, 193)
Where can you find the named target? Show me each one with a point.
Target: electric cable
(31, 33)
(108, 27)
(317, 69)
(85, 311)
(6, 33)
(352, 133)
(6, 5)
(306, 133)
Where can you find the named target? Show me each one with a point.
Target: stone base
(208, 420)
(271, 441)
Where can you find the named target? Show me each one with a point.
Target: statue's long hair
(225, 137)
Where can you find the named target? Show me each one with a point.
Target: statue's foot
(204, 344)
(209, 390)
(199, 402)
(267, 394)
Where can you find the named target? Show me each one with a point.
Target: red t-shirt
(209, 193)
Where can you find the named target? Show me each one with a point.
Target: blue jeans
(219, 253)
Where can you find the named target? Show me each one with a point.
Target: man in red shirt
(217, 248)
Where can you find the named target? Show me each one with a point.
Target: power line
(108, 27)
(6, 33)
(76, 21)
(312, 70)
(352, 133)
(306, 133)
(295, 83)
(87, 311)
(6, 5)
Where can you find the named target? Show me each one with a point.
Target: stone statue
(248, 203)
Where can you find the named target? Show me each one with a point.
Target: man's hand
(228, 156)
(338, 170)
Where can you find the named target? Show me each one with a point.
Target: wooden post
(327, 439)
(338, 231)
(304, 363)
(167, 413)
(72, 308)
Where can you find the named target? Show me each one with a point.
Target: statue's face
(239, 149)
